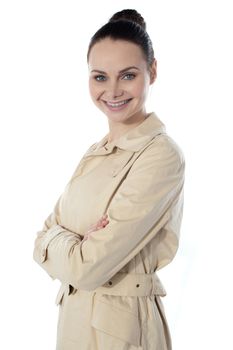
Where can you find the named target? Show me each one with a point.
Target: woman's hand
(100, 224)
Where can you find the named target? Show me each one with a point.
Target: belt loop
(153, 285)
(158, 288)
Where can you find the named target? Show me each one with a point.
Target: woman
(118, 220)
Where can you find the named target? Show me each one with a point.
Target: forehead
(110, 53)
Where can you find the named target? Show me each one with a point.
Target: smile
(117, 105)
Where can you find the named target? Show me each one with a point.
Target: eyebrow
(121, 71)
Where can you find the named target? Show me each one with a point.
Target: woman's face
(108, 83)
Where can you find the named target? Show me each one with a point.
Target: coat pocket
(116, 322)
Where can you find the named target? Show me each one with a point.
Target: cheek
(139, 89)
(93, 89)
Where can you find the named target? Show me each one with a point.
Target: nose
(113, 92)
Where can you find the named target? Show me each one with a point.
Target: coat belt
(132, 284)
(124, 284)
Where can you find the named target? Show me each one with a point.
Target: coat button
(110, 282)
(137, 285)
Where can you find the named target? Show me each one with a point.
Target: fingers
(103, 221)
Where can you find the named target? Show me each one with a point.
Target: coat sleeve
(149, 196)
(51, 229)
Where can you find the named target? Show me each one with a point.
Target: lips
(116, 102)
(119, 106)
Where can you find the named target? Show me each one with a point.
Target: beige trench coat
(110, 295)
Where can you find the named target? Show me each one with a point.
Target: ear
(153, 71)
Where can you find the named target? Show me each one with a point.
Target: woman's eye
(97, 76)
(130, 74)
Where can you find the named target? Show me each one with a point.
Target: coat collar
(133, 140)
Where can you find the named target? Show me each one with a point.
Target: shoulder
(162, 153)
(92, 147)
(163, 145)
(168, 145)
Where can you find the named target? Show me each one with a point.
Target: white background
(47, 121)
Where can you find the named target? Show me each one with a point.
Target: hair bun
(131, 15)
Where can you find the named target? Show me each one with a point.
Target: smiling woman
(118, 220)
(125, 73)
(121, 90)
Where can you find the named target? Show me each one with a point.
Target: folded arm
(143, 204)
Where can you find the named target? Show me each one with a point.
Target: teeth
(117, 104)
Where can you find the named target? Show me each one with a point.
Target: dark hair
(126, 25)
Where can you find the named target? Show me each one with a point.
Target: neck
(116, 130)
